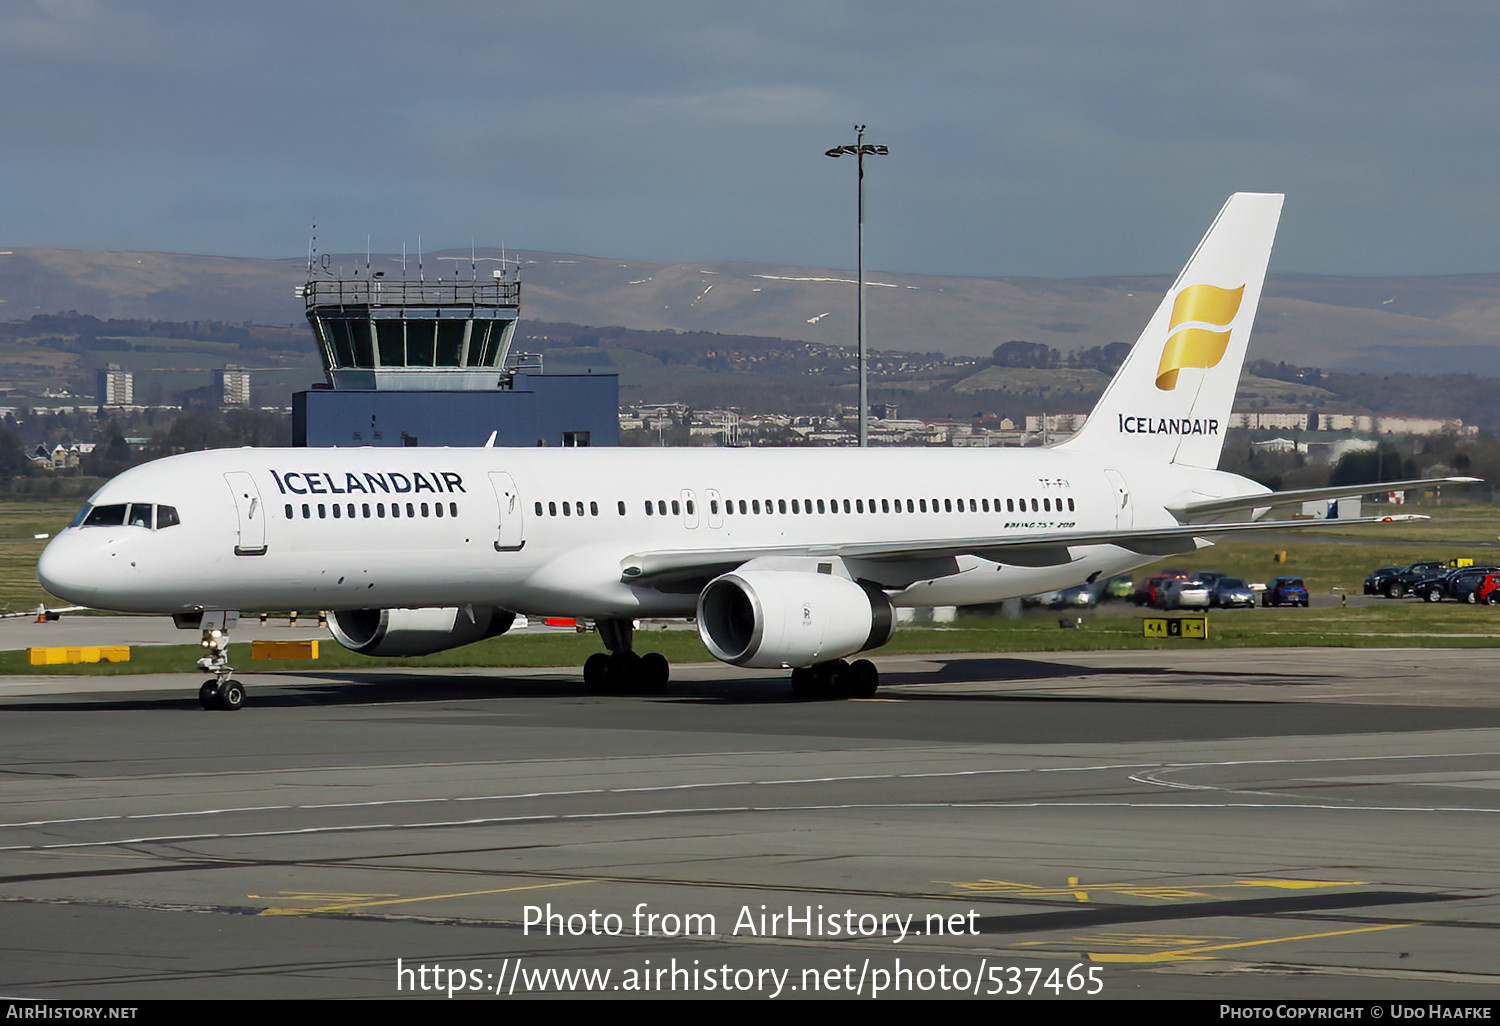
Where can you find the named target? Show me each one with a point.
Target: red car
(1488, 591)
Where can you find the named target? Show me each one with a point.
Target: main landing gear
(836, 679)
(622, 670)
(222, 691)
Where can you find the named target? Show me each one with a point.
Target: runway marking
(348, 905)
(1203, 952)
(734, 809)
(577, 792)
(1162, 892)
(1126, 940)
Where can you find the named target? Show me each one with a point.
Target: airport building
(429, 363)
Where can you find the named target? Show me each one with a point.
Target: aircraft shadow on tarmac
(290, 689)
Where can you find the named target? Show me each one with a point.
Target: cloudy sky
(1059, 139)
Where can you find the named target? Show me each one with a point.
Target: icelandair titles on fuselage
(391, 482)
(1168, 425)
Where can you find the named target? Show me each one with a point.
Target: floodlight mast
(859, 150)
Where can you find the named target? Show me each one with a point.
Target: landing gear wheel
(863, 679)
(805, 684)
(208, 694)
(596, 673)
(231, 695)
(653, 672)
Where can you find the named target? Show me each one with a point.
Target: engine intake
(787, 618)
(411, 632)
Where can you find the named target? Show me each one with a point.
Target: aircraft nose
(65, 571)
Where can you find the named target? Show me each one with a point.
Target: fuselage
(555, 531)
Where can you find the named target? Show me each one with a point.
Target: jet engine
(788, 618)
(410, 632)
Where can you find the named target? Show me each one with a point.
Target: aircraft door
(689, 509)
(251, 540)
(1120, 493)
(509, 536)
(715, 518)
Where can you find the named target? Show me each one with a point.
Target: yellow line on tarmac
(346, 906)
(1201, 953)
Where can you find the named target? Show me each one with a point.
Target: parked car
(1229, 592)
(1487, 590)
(1285, 591)
(1375, 582)
(1149, 592)
(1399, 585)
(1453, 584)
(1183, 593)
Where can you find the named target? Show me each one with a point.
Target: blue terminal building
(429, 363)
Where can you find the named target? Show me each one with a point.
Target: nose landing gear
(222, 691)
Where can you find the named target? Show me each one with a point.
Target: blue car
(1285, 591)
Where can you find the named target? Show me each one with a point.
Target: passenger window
(322, 511)
(1070, 505)
(453, 509)
(781, 505)
(1033, 506)
(755, 506)
(437, 509)
(593, 509)
(661, 506)
(338, 512)
(539, 509)
(364, 508)
(577, 508)
(820, 505)
(306, 511)
(288, 510)
(566, 511)
(424, 508)
(650, 511)
(622, 507)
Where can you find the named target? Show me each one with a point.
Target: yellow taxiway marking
(1162, 892)
(345, 906)
(1204, 952)
(1126, 940)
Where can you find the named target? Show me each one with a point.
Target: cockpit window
(81, 514)
(106, 516)
(134, 514)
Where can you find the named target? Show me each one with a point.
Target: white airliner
(791, 558)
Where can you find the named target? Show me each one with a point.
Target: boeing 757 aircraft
(787, 558)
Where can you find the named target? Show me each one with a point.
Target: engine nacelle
(788, 618)
(411, 632)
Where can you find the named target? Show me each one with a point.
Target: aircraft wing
(1296, 496)
(1050, 548)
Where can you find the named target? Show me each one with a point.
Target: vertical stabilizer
(1170, 401)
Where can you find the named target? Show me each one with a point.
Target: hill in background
(1435, 325)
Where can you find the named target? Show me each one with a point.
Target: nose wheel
(228, 695)
(221, 691)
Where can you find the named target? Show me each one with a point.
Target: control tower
(375, 333)
(419, 362)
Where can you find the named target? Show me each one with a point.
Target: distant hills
(1430, 325)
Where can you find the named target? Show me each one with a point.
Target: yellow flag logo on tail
(1197, 346)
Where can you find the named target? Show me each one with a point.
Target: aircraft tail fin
(1171, 399)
